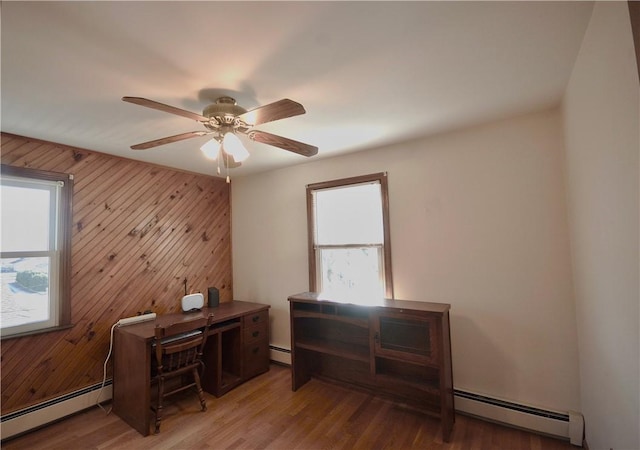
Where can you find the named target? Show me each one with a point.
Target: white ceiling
(368, 73)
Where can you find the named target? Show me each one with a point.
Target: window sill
(31, 333)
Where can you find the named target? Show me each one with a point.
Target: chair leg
(203, 402)
(159, 404)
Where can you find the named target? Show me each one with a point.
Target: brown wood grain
(138, 231)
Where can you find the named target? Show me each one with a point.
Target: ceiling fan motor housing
(223, 113)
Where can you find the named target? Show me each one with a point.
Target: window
(349, 244)
(35, 249)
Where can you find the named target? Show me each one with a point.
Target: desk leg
(131, 381)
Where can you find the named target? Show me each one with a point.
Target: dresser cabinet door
(407, 336)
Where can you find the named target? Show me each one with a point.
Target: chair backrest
(180, 345)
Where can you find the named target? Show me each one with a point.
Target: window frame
(65, 211)
(313, 255)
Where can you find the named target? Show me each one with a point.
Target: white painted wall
(478, 220)
(601, 110)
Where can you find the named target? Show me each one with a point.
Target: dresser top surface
(317, 297)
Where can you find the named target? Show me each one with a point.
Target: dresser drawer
(256, 358)
(256, 333)
(256, 318)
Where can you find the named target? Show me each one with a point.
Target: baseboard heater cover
(36, 416)
(569, 425)
(510, 405)
(280, 355)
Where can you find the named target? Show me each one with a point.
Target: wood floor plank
(265, 414)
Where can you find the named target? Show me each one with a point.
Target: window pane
(25, 291)
(351, 272)
(349, 215)
(25, 219)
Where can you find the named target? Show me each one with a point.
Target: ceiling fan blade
(282, 142)
(166, 108)
(273, 111)
(168, 140)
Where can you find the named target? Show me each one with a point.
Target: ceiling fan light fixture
(211, 149)
(233, 146)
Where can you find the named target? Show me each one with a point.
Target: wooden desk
(237, 349)
(395, 348)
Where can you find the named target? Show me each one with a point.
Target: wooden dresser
(395, 348)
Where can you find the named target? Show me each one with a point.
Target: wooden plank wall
(138, 231)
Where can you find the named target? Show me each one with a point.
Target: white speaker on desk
(192, 302)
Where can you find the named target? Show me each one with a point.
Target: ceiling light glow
(211, 149)
(233, 146)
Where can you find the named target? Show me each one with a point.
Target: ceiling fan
(224, 119)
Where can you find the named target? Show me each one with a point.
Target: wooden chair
(178, 350)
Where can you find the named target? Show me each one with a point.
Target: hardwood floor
(265, 414)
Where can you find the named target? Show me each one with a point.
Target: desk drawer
(256, 318)
(256, 358)
(256, 333)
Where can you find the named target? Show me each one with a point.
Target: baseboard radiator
(36, 416)
(280, 355)
(568, 425)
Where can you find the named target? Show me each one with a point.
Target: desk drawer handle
(255, 350)
(255, 334)
(255, 318)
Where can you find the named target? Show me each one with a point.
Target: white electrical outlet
(136, 319)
